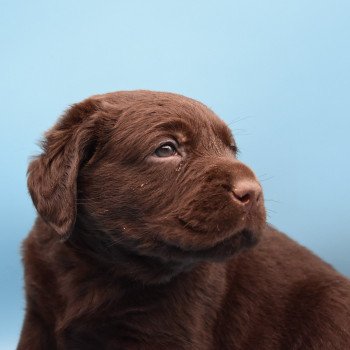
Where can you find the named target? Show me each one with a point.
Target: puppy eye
(166, 150)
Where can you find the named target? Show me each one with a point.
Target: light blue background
(277, 71)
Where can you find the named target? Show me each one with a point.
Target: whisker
(239, 120)
(272, 200)
(271, 211)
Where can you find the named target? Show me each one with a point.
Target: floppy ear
(52, 176)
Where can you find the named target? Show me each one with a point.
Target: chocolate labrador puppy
(152, 235)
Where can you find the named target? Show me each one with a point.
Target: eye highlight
(167, 149)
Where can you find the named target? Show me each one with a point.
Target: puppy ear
(52, 176)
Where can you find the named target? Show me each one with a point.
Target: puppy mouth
(219, 248)
(221, 243)
(210, 236)
(187, 225)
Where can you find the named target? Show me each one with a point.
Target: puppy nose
(247, 193)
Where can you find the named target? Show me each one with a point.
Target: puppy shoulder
(291, 293)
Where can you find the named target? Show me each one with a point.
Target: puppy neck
(125, 263)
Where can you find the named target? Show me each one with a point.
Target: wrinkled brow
(188, 129)
(178, 125)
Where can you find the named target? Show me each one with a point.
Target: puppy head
(152, 173)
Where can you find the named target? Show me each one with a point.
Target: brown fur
(135, 251)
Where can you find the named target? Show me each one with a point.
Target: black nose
(247, 192)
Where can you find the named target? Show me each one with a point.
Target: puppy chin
(237, 241)
(173, 241)
(230, 246)
(211, 244)
(148, 258)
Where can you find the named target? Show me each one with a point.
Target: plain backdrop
(276, 71)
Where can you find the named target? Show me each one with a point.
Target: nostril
(244, 199)
(246, 192)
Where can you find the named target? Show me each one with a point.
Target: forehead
(144, 113)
